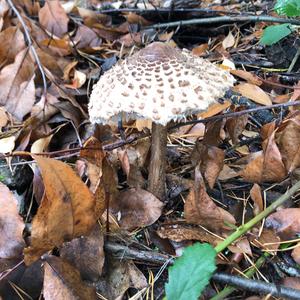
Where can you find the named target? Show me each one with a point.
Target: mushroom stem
(157, 168)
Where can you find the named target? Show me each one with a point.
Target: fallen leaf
(136, 208)
(63, 214)
(200, 209)
(248, 76)
(179, 233)
(53, 18)
(12, 42)
(266, 165)
(254, 93)
(120, 276)
(291, 282)
(288, 139)
(229, 41)
(255, 194)
(86, 254)
(11, 225)
(17, 92)
(200, 50)
(286, 222)
(241, 246)
(62, 281)
(7, 144)
(86, 38)
(296, 254)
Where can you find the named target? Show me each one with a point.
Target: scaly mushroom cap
(160, 83)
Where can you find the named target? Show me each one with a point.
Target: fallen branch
(226, 19)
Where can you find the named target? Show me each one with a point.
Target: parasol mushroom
(160, 83)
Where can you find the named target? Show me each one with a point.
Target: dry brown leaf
(17, 92)
(86, 38)
(120, 276)
(200, 209)
(291, 282)
(66, 211)
(229, 41)
(86, 254)
(296, 254)
(62, 281)
(200, 50)
(58, 47)
(214, 109)
(11, 225)
(179, 233)
(266, 165)
(286, 222)
(235, 126)
(249, 77)
(267, 237)
(53, 18)
(12, 42)
(227, 173)
(288, 139)
(254, 93)
(257, 199)
(136, 208)
(241, 246)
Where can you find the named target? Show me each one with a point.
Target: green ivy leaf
(289, 8)
(273, 34)
(191, 272)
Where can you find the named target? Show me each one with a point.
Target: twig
(167, 10)
(226, 19)
(124, 252)
(30, 44)
(237, 113)
(257, 286)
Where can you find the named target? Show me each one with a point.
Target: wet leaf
(11, 225)
(66, 211)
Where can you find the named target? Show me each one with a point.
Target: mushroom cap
(160, 83)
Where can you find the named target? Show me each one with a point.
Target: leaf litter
(86, 189)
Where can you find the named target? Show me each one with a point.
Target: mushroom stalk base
(157, 168)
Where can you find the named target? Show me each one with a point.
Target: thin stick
(226, 19)
(30, 44)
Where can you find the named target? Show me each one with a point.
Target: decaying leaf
(183, 232)
(200, 209)
(53, 18)
(11, 225)
(66, 211)
(120, 276)
(286, 222)
(62, 281)
(91, 249)
(136, 208)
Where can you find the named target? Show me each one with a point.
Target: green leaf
(273, 34)
(289, 8)
(191, 272)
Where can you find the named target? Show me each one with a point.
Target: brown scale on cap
(174, 77)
